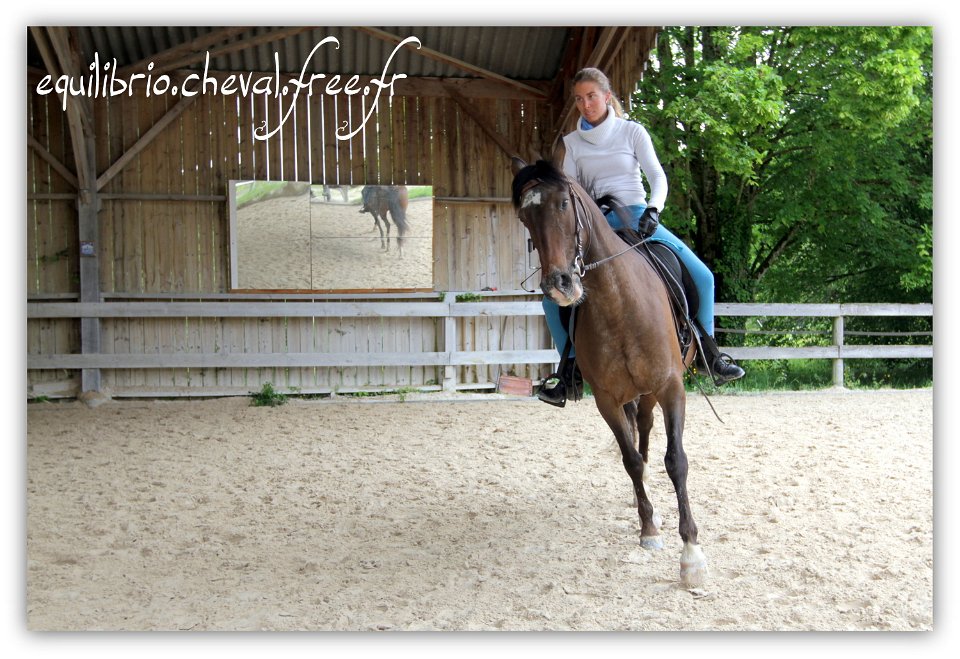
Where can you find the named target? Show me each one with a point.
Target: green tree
(799, 158)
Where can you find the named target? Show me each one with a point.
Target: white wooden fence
(449, 357)
(838, 351)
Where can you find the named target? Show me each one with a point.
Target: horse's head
(545, 202)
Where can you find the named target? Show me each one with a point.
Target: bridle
(580, 266)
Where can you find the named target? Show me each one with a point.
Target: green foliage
(418, 191)
(267, 396)
(255, 191)
(784, 375)
(799, 158)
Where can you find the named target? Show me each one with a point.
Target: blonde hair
(597, 76)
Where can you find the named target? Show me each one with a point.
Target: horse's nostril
(564, 282)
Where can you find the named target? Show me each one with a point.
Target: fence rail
(450, 356)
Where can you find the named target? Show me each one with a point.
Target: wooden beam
(453, 61)
(473, 200)
(144, 141)
(92, 361)
(58, 166)
(260, 39)
(569, 64)
(507, 148)
(162, 196)
(286, 359)
(429, 309)
(60, 59)
(269, 309)
(194, 50)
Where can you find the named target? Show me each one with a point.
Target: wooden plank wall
(164, 226)
(177, 244)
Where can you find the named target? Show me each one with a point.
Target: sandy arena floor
(815, 512)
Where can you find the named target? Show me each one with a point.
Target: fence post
(838, 342)
(450, 347)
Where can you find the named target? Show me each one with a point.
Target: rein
(578, 261)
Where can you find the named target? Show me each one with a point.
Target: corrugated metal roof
(520, 53)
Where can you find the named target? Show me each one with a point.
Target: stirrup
(553, 391)
(725, 362)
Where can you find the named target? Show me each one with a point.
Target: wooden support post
(88, 205)
(838, 342)
(60, 55)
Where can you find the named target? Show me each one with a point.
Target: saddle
(684, 299)
(681, 290)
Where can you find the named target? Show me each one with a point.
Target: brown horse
(378, 200)
(625, 338)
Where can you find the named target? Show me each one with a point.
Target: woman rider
(606, 155)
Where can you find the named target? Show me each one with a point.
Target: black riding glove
(648, 221)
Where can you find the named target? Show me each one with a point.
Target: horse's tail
(396, 201)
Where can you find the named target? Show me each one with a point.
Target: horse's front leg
(693, 562)
(622, 421)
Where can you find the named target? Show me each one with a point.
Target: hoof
(693, 566)
(693, 576)
(651, 542)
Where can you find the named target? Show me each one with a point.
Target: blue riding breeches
(702, 278)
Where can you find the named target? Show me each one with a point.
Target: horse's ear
(558, 153)
(516, 164)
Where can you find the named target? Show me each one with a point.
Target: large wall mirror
(294, 236)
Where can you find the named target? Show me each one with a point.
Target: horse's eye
(564, 204)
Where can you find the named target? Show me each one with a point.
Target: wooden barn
(139, 139)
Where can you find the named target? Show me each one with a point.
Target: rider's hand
(648, 221)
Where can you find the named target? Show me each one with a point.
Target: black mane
(543, 171)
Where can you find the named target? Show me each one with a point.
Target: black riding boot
(718, 364)
(555, 388)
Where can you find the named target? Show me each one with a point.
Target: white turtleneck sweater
(608, 159)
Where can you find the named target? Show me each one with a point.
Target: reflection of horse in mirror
(625, 338)
(325, 194)
(342, 190)
(378, 200)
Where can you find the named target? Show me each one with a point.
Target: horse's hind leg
(383, 236)
(643, 409)
(693, 562)
(622, 421)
